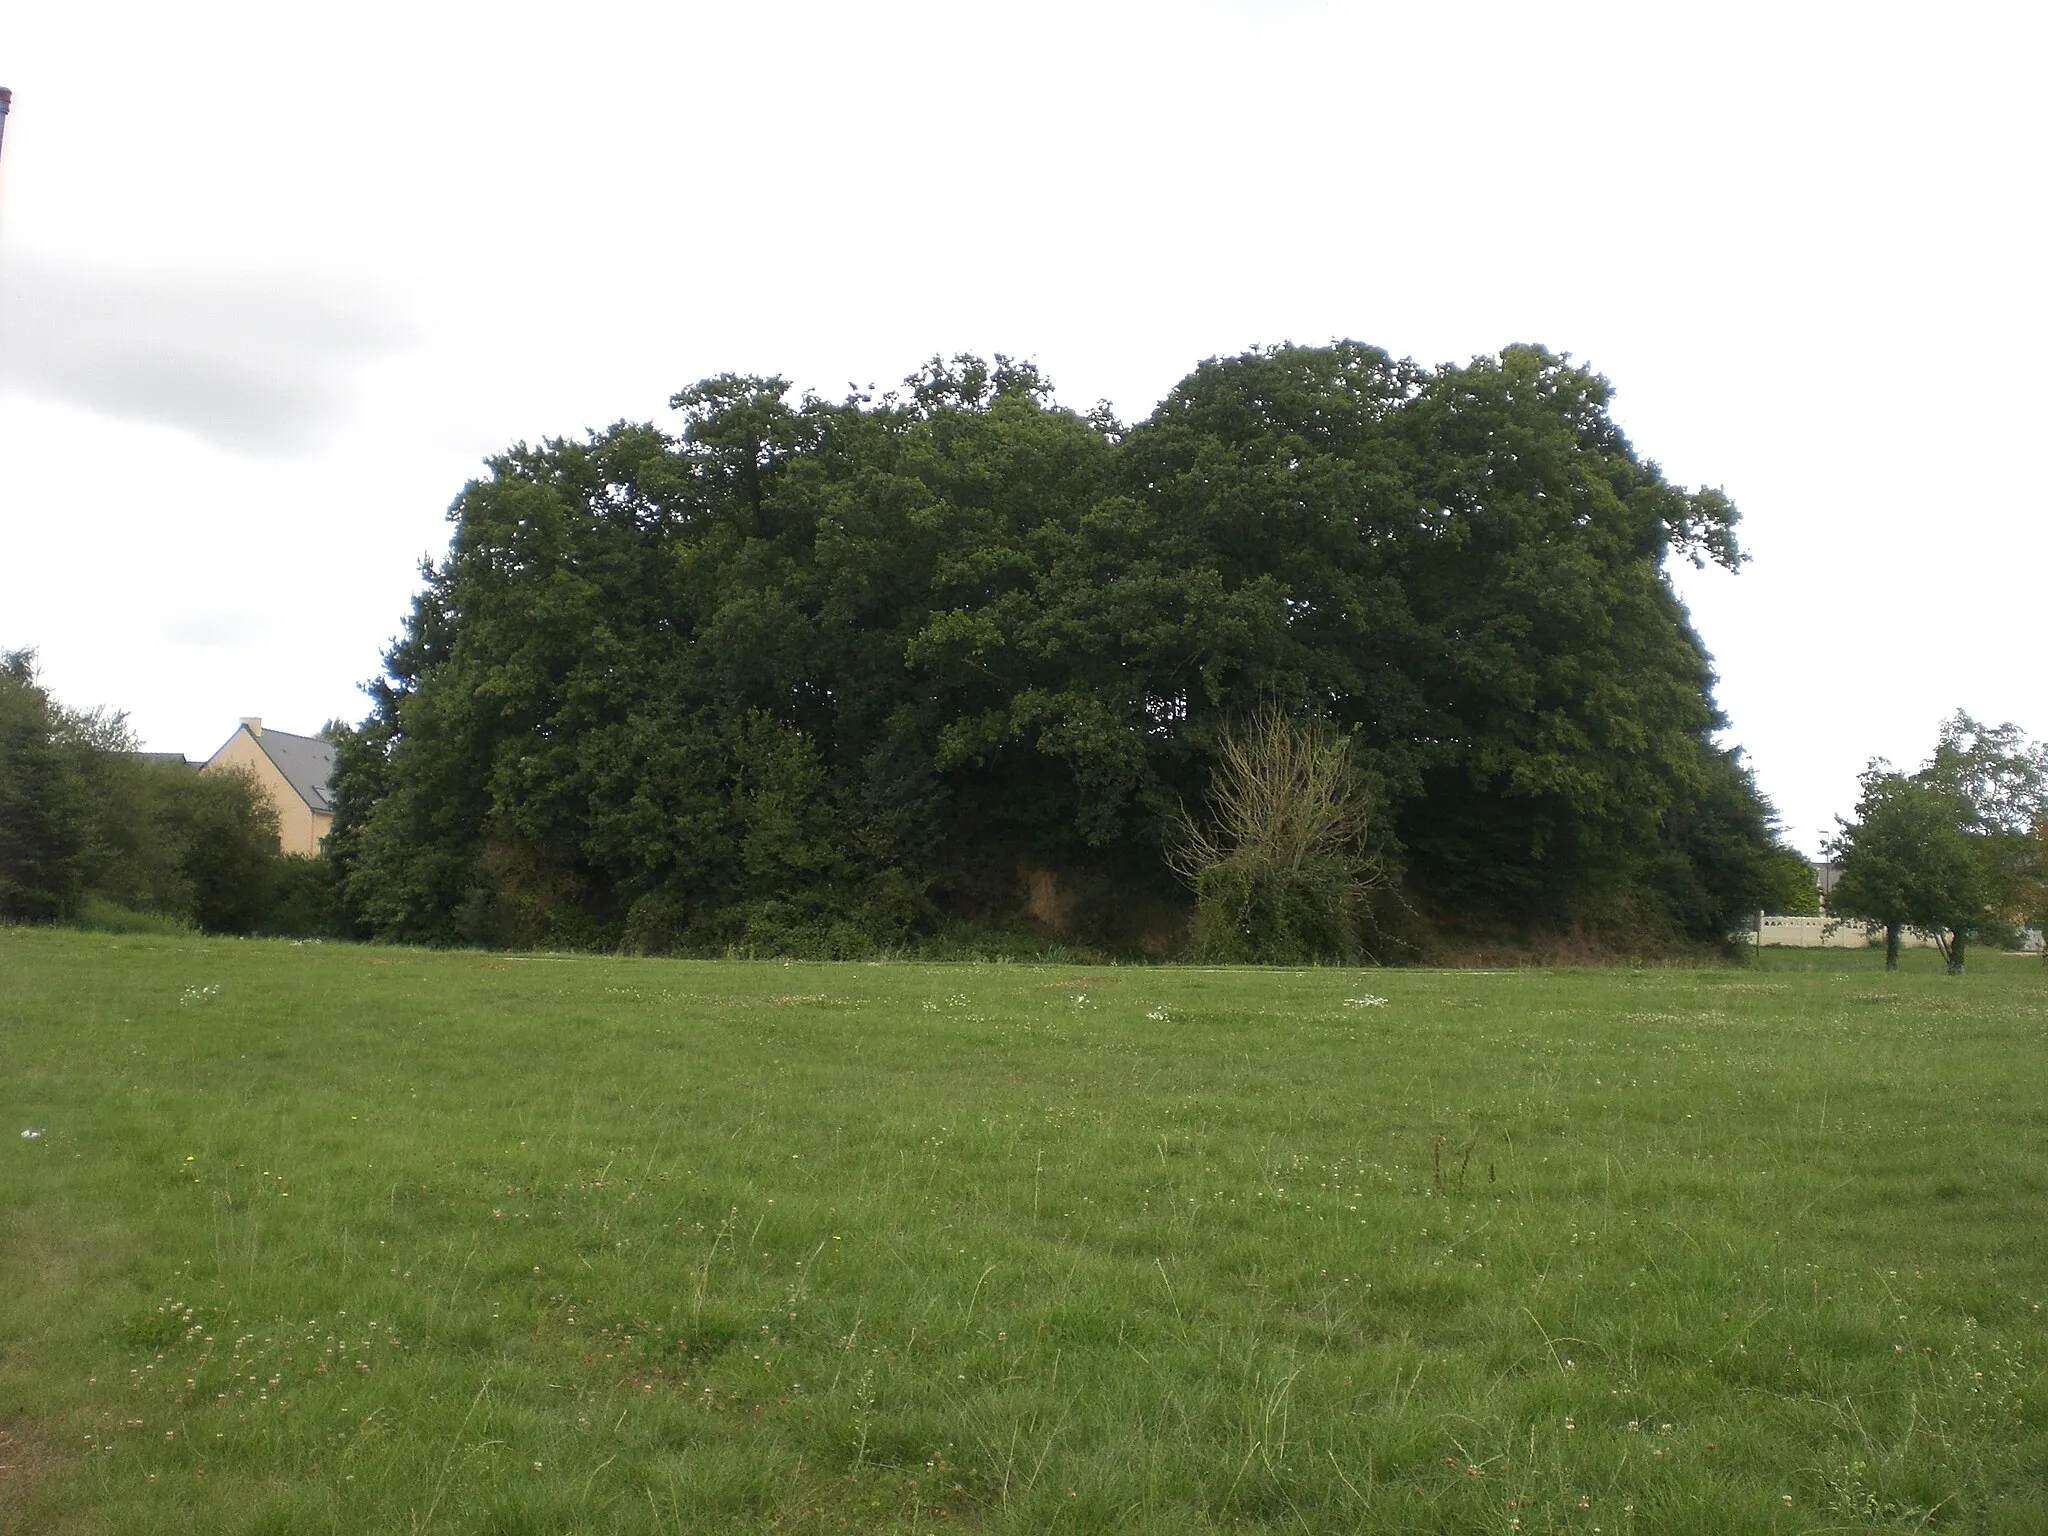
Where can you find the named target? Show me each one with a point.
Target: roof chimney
(254, 723)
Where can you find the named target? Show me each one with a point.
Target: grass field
(332, 1239)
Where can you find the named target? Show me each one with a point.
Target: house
(297, 772)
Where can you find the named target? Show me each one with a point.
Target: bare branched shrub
(1283, 868)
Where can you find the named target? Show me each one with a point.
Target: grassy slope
(530, 1244)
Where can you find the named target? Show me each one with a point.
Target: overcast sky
(273, 279)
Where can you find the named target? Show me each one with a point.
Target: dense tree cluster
(88, 824)
(821, 675)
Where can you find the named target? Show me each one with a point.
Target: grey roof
(306, 762)
(177, 759)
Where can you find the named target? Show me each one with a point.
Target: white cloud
(257, 365)
(215, 630)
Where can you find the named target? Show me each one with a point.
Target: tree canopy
(1953, 850)
(822, 675)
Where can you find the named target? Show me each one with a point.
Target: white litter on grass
(1160, 1013)
(32, 1133)
(1367, 1001)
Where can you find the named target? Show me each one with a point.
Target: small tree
(1907, 862)
(1999, 779)
(1282, 871)
(1955, 849)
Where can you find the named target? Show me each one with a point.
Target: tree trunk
(1955, 951)
(1891, 946)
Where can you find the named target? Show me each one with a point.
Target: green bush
(305, 900)
(98, 915)
(1283, 874)
(1252, 910)
(227, 835)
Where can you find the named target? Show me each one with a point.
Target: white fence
(1770, 929)
(1824, 933)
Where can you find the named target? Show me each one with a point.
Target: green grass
(322, 1238)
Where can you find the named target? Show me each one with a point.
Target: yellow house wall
(299, 826)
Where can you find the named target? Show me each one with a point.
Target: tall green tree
(1465, 567)
(47, 832)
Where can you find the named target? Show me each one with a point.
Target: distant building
(296, 772)
(1825, 873)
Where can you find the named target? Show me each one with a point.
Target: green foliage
(46, 811)
(1467, 564)
(1786, 884)
(1250, 911)
(1995, 774)
(1014, 1248)
(1719, 859)
(1952, 850)
(226, 831)
(816, 674)
(92, 831)
(1999, 779)
(1906, 861)
(140, 811)
(305, 900)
